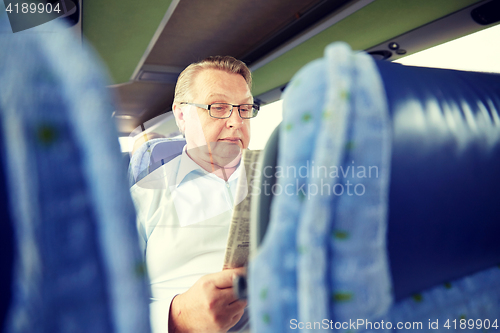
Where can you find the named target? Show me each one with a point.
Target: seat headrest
(444, 209)
(444, 199)
(153, 154)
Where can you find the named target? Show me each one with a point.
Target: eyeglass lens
(220, 110)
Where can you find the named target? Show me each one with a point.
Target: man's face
(218, 141)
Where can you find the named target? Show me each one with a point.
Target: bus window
(474, 52)
(270, 116)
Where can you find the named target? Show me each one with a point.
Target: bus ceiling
(146, 46)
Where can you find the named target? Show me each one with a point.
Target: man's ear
(179, 117)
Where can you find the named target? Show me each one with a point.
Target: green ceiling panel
(120, 31)
(377, 22)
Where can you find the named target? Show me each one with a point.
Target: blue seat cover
(444, 211)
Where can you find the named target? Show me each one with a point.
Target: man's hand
(208, 306)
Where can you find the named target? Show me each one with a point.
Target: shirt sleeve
(139, 207)
(159, 308)
(160, 312)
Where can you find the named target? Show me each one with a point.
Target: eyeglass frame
(208, 106)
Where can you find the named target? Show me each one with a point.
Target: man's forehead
(215, 95)
(210, 83)
(223, 96)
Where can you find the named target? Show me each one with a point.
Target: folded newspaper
(238, 240)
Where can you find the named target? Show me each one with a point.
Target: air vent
(487, 14)
(380, 55)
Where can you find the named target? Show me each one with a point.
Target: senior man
(184, 208)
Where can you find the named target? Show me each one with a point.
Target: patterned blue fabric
(343, 267)
(456, 303)
(79, 268)
(141, 162)
(320, 222)
(324, 255)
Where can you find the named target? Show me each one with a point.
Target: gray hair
(224, 63)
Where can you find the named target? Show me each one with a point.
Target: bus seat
(7, 246)
(74, 263)
(442, 217)
(151, 155)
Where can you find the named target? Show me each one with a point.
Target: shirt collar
(187, 165)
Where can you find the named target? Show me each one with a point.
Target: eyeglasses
(225, 110)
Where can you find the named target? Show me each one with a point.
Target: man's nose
(234, 121)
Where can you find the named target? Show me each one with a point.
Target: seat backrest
(443, 206)
(153, 154)
(6, 243)
(164, 151)
(444, 209)
(74, 258)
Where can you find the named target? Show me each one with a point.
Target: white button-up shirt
(183, 218)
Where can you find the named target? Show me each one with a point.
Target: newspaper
(238, 241)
